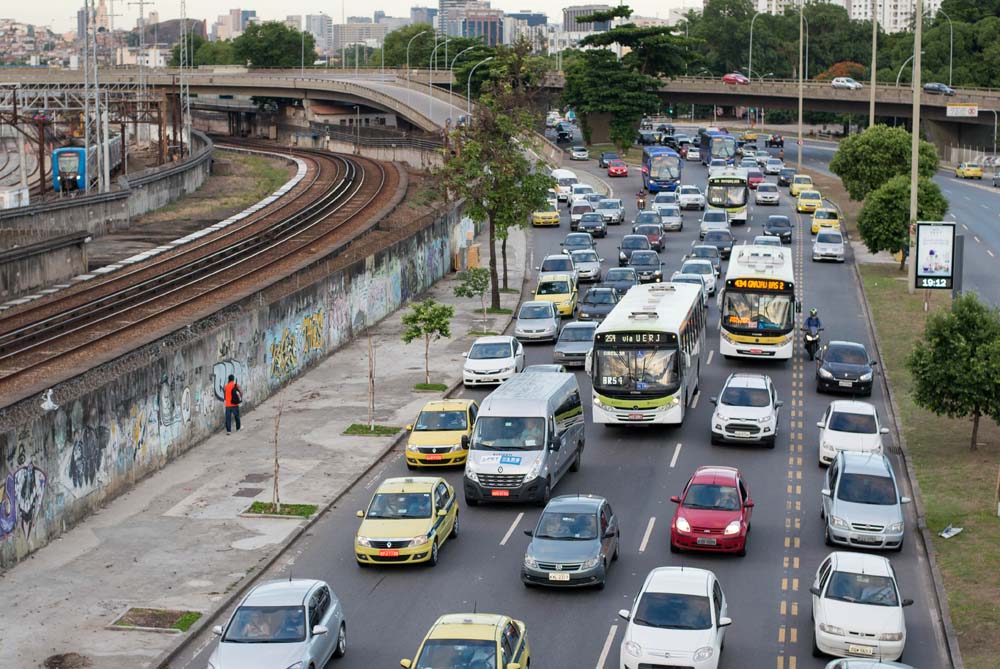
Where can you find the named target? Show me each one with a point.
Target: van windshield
(495, 433)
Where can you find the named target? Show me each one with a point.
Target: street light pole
(903, 67)
(430, 79)
(802, 18)
(915, 147)
(468, 94)
(871, 95)
(750, 58)
(422, 32)
(451, 77)
(357, 128)
(951, 42)
(302, 65)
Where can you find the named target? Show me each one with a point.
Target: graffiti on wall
(21, 500)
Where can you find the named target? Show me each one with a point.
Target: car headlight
(621, 256)
(764, 419)
(591, 563)
(418, 540)
(831, 629)
(584, 314)
(632, 648)
(895, 527)
(411, 447)
(890, 636)
(363, 541)
(507, 369)
(682, 524)
(297, 665)
(530, 562)
(733, 527)
(825, 374)
(534, 470)
(865, 377)
(838, 522)
(471, 475)
(703, 653)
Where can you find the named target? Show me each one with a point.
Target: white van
(564, 182)
(529, 432)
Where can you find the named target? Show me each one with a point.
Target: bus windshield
(629, 372)
(723, 147)
(757, 312)
(727, 195)
(664, 167)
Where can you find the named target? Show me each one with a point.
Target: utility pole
(914, 147)
(798, 167)
(142, 131)
(185, 87)
(871, 90)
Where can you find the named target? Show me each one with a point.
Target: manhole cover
(67, 661)
(255, 478)
(248, 492)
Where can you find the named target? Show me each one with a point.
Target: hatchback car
(647, 265)
(747, 411)
(937, 88)
(575, 341)
(588, 265)
(612, 210)
(773, 166)
(800, 182)
(748, 163)
(695, 280)
(693, 153)
(671, 218)
(848, 425)
(844, 366)
(663, 199)
(407, 521)
(682, 609)
(547, 216)
(861, 502)
(606, 157)
(558, 289)
(969, 171)
(621, 279)
(824, 217)
(576, 212)
(492, 360)
(808, 201)
(648, 217)
(298, 622)
(713, 219)
(579, 153)
(594, 223)
(440, 435)
(828, 245)
(713, 512)
(577, 241)
(597, 303)
(778, 226)
(785, 176)
(573, 544)
(690, 197)
(845, 83)
(537, 321)
(558, 263)
(720, 239)
(706, 252)
(767, 193)
(652, 232)
(735, 78)
(704, 268)
(630, 244)
(764, 240)
(480, 640)
(617, 168)
(857, 609)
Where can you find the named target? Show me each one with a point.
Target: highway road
(638, 469)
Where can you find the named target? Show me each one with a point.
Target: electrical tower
(185, 87)
(94, 131)
(143, 59)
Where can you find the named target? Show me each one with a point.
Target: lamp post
(915, 148)
(951, 42)
(430, 79)
(302, 64)
(357, 128)
(903, 67)
(469, 88)
(422, 32)
(451, 77)
(871, 93)
(750, 59)
(802, 18)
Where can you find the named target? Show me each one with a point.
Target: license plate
(387, 553)
(861, 650)
(434, 456)
(742, 433)
(500, 493)
(635, 416)
(706, 541)
(864, 539)
(846, 384)
(558, 577)
(756, 351)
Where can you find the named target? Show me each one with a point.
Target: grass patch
(482, 333)
(185, 621)
(158, 618)
(957, 484)
(431, 386)
(501, 310)
(359, 430)
(299, 510)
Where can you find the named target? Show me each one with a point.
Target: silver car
(861, 502)
(579, 153)
(558, 263)
(661, 200)
(690, 197)
(713, 219)
(537, 321)
(671, 218)
(828, 245)
(294, 623)
(612, 209)
(773, 166)
(575, 341)
(695, 279)
(588, 265)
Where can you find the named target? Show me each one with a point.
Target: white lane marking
(513, 526)
(991, 253)
(976, 238)
(607, 647)
(645, 537)
(694, 402)
(984, 207)
(711, 354)
(677, 451)
(964, 226)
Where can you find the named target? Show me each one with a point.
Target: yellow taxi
(407, 521)
(825, 217)
(481, 640)
(800, 182)
(969, 171)
(808, 201)
(440, 435)
(548, 215)
(558, 289)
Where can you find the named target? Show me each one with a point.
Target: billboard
(964, 111)
(935, 254)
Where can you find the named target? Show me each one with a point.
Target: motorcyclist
(812, 321)
(640, 200)
(812, 326)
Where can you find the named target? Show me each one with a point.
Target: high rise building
(81, 23)
(423, 14)
(347, 34)
(483, 22)
(892, 15)
(294, 21)
(247, 16)
(320, 26)
(359, 19)
(570, 14)
(533, 19)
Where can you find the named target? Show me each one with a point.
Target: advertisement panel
(935, 254)
(964, 111)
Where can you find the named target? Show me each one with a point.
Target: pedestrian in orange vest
(234, 397)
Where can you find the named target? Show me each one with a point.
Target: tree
(654, 50)
(475, 281)
(869, 159)
(429, 320)
(884, 221)
(844, 68)
(422, 47)
(273, 44)
(956, 368)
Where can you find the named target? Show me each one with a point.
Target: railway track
(51, 340)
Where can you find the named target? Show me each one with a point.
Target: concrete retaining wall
(37, 264)
(124, 420)
(421, 160)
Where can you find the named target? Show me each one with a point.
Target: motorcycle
(811, 340)
(640, 202)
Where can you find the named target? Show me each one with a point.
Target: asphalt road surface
(637, 468)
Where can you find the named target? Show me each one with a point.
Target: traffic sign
(963, 110)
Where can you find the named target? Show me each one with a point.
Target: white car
(713, 219)
(762, 157)
(552, 197)
(612, 209)
(849, 425)
(492, 360)
(693, 153)
(289, 623)
(690, 197)
(857, 609)
(588, 264)
(663, 199)
(716, 166)
(705, 269)
(558, 263)
(579, 192)
(828, 245)
(767, 193)
(579, 153)
(846, 83)
(537, 321)
(746, 411)
(681, 610)
(774, 166)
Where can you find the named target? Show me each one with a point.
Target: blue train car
(74, 168)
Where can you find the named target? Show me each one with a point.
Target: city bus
(729, 190)
(661, 168)
(757, 304)
(714, 143)
(647, 355)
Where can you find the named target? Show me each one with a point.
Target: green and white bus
(647, 355)
(729, 189)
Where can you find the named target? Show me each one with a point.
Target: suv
(690, 197)
(746, 411)
(861, 502)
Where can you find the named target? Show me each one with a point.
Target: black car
(647, 265)
(937, 88)
(774, 141)
(785, 176)
(780, 227)
(844, 366)
(564, 132)
(593, 223)
(597, 303)
(720, 239)
(631, 243)
(621, 279)
(665, 128)
(606, 157)
(576, 241)
(647, 137)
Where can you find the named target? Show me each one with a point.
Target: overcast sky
(60, 15)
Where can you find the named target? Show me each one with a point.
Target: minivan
(564, 183)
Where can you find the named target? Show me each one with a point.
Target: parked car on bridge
(937, 88)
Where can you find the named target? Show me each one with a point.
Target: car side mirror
(409, 428)
(820, 425)
(905, 500)
(749, 504)
(405, 663)
(600, 259)
(907, 602)
(217, 630)
(610, 533)
(798, 307)
(513, 665)
(442, 513)
(360, 514)
(725, 622)
(465, 441)
(816, 591)
(713, 400)
(779, 403)
(319, 630)
(883, 430)
(676, 499)
(466, 354)
(529, 533)
(624, 614)
(873, 363)
(825, 492)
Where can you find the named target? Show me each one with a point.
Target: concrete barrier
(31, 265)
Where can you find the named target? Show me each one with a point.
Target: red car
(713, 514)
(617, 168)
(735, 78)
(754, 177)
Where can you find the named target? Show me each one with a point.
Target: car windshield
(787, 172)
(493, 351)
(585, 256)
(862, 589)
(809, 195)
(553, 288)
(647, 230)
(773, 161)
(697, 268)
(715, 217)
(567, 526)
(647, 217)
(664, 167)
(667, 610)
(755, 174)
(508, 434)
(395, 505)
(705, 252)
(582, 189)
(457, 654)
(767, 188)
(802, 180)
(779, 222)
(582, 209)
(635, 242)
(561, 264)
(829, 238)
(757, 311)
(607, 204)
(737, 396)
(619, 274)
(610, 156)
(859, 423)
(636, 371)
(577, 334)
(867, 489)
(644, 258)
(690, 190)
(600, 297)
(825, 214)
(846, 355)
(711, 496)
(267, 624)
(434, 421)
(670, 211)
(664, 198)
(532, 311)
(718, 236)
(591, 218)
(567, 181)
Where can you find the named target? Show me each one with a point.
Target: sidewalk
(178, 539)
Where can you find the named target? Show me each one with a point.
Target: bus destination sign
(765, 285)
(636, 338)
(727, 181)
